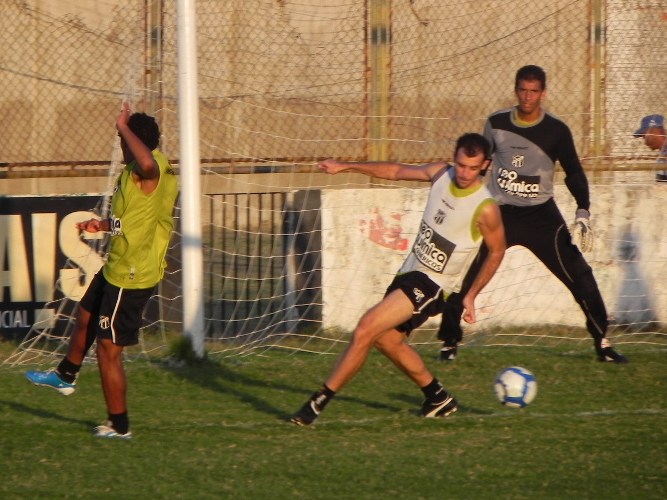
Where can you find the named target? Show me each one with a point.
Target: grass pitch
(219, 430)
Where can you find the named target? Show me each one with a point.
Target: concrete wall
(367, 232)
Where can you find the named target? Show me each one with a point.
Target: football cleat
(51, 379)
(608, 355)
(448, 353)
(106, 431)
(442, 408)
(307, 414)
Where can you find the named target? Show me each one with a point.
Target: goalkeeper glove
(582, 233)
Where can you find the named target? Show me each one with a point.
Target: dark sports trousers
(542, 230)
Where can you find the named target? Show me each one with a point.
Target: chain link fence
(289, 82)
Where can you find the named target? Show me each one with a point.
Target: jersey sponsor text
(514, 184)
(431, 250)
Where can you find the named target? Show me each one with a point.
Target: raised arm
(146, 167)
(492, 229)
(384, 170)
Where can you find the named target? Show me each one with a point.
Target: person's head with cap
(652, 130)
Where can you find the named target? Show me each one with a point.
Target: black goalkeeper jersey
(524, 157)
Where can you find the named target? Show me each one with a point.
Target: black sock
(434, 391)
(120, 422)
(67, 370)
(323, 396)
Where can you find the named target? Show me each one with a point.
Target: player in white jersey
(459, 215)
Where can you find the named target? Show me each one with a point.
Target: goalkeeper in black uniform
(526, 142)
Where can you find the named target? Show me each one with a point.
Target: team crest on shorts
(104, 322)
(419, 295)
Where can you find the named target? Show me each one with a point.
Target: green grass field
(220, 430)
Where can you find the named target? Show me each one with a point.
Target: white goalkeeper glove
(581, 230)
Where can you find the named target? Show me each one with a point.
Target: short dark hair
(531, 73)
(145, 128)
(473, 144)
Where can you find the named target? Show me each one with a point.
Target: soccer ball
(515, 387)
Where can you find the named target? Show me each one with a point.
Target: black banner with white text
(46, 263)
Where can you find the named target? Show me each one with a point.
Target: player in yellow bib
(460, 213)
(111, 310)
(141, 226)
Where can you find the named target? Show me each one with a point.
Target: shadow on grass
(38, 412)
(224, 379)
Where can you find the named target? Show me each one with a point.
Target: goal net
(293, 257)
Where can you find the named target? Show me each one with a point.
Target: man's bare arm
(384, 170)
(491, 226)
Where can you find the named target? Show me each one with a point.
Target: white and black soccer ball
(515, 387)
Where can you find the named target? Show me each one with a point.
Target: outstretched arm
(492, 229)
(384, 170)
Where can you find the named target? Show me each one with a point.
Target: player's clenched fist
(93, 225)
(331, 166)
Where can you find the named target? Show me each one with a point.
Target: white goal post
(190, 188)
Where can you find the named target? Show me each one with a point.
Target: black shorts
(426, 296)
(116, 312)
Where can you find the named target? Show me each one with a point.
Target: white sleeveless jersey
(448, 238)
